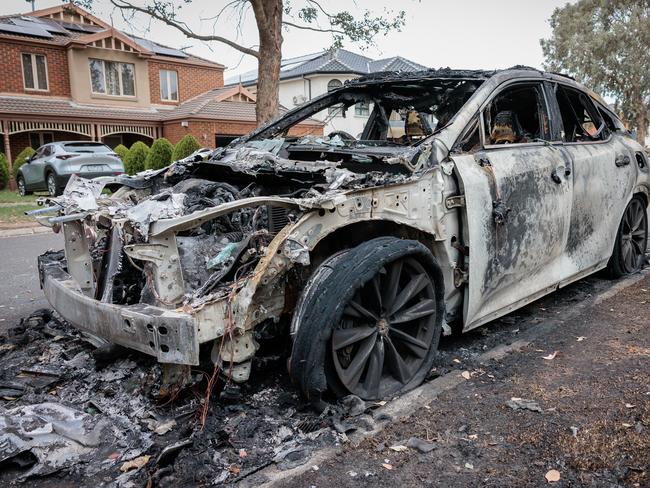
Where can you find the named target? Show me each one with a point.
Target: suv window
(581, 121)
(517, 115)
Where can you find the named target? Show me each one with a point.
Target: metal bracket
(455, 201)
(460, 277)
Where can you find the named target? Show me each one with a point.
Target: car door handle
(556, 177)
(622, 160)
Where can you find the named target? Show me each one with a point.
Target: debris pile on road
(70, 409)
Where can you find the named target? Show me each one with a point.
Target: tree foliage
(160, 154)
(186, 146)
(121, 151)
(4, 172)
(22, 158)
(272, 17)
(606, 45)
(135, 158)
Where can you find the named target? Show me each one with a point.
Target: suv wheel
(631, 240)
(22, 188)
(52, 188)
(377, 335)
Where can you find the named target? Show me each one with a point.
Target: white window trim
(167, 75)
(35, 72)
(119, 75)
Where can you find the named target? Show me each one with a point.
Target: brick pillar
(5, 133)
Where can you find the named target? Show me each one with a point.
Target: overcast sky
(438, 33)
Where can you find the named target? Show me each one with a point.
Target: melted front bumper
(168, 335)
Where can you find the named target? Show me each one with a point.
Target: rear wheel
(370, 324)
(52, 187)
(631, 240)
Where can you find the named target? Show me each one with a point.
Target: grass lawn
(8, 196)
(12, 214)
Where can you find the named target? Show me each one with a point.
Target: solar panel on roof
(158, 49)
(34, 31)
(51, 27)
(86, 28)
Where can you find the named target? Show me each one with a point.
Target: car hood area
(223, 211)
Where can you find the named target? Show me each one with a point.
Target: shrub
(160, 154)
(4, 172)
(22, 158)
(121, 151)
(134, 159)
(186, 146)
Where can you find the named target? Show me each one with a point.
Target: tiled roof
(53, 107)
(62, 33)
(337, 61)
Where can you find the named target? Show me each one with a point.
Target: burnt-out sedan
(467, 195)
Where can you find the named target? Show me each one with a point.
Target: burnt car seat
(507, 129)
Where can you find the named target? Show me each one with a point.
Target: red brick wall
(12, 75)
(192, 80)
(205, 131)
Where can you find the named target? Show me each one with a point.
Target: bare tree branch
(183, 28)
(315, 29)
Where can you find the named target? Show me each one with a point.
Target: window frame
(168, 71)
(35, 71)
(356, 109)
(119, 76)
(339, 109)
(498, 91)
(594, 108)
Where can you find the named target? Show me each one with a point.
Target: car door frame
(478, 219)
(596, 212)
(33, 170)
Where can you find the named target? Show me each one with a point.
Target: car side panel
(518, 222)
(602, 190)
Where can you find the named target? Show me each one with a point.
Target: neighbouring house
(69, 75)
(306, 77)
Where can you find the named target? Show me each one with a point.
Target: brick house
(69, 75)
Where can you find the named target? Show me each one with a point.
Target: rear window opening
(86, 147)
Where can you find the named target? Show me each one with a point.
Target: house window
(35, 71)
(362, 109)
(336, 110)
(37, 139)
(168, 85)
(112, 78)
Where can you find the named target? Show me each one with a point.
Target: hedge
(134, 159)
(4, 172)
(22, 158)
(160, 154)
(121, 151)
(186, 146)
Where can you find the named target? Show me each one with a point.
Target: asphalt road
(20, 293)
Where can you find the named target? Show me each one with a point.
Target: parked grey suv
(52, 165)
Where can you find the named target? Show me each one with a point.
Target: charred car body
(468, 194)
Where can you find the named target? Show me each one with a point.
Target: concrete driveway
(20, 293)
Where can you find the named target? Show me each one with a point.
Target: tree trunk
(268, 15)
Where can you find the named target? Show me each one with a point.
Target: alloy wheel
(634, 236)
(51, 185)
(386, 330)
(22, 191)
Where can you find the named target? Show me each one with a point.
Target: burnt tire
(631, 240)
(369, 321)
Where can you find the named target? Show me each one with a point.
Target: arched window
(336, 110)
(334, 84)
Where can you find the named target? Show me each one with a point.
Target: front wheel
(631, 240)
(369, 321)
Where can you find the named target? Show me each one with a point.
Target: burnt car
(467, 195)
